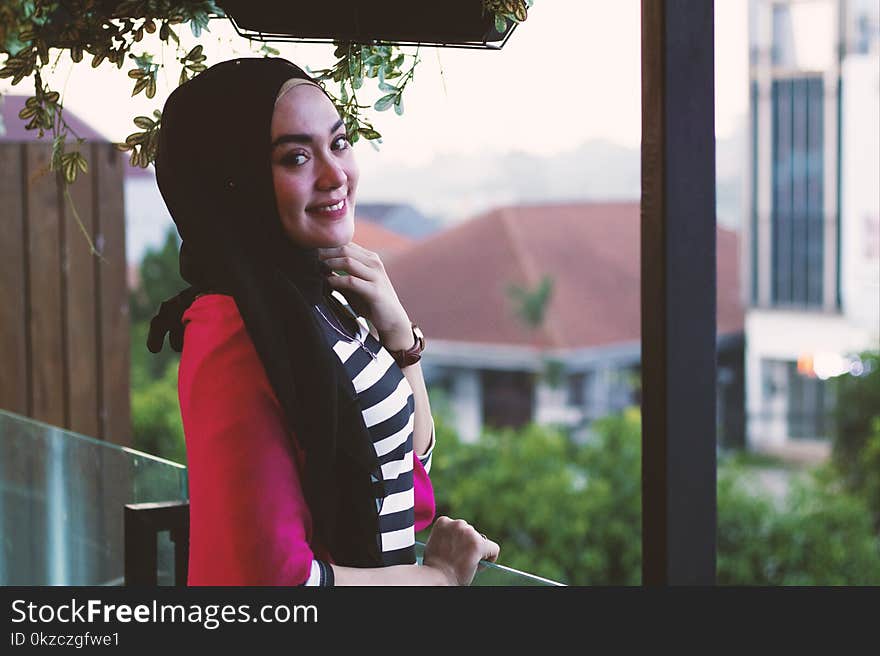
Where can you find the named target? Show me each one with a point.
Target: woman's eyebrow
(302, 138)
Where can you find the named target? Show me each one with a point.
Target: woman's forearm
(423, 425)
(394, 575)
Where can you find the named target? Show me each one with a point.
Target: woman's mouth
(333, 211)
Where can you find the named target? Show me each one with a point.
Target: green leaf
(500, 24)
(140, 85)
(398, 106)
(368, 133)
(385, 102)
(194, 53)
(143, 122)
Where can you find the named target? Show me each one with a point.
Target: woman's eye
(341, 142)
(293, 159)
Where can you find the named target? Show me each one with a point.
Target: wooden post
(678, 293)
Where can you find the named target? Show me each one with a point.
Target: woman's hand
(369, 290)
(456, 548)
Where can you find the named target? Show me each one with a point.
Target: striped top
(388, 408)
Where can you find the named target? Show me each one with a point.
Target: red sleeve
(249, 523)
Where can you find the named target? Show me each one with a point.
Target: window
(798, 193)
(508, 398)
(810, 405)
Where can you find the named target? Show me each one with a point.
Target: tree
(572, 512)
(159, 279)
(820, 535)
(155, 409)
(856, 444)
(563, 511)
(156, 422)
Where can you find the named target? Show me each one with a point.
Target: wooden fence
(64, 334)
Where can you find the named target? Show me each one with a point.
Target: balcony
(62, 510)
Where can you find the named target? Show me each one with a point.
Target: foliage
(155, 412)
(820, 536)
(514, 11)
(572, 512)
(567, 512)
(159, 278)
(356, 62)
(530, 305)
(857, 436)
(108, 31)
(154, 403)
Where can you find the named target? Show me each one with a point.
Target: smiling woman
(313, 167)
(308, 429)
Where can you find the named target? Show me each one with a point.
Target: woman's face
(313, 169)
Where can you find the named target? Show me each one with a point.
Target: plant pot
(461, 23)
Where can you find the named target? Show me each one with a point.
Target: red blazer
(249, 522)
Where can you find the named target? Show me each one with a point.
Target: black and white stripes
(388, 408)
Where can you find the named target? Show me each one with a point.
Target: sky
(569, 74)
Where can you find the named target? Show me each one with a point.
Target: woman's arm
(423, 424)
(370, 292)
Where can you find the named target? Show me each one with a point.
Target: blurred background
(505, 205)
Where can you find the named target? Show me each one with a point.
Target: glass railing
(61, 508)
(493, 574)
(61, 504)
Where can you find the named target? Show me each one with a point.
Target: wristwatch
(409, 356)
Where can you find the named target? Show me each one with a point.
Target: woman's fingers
(351, 283)
(354, 251)
(491, 550)
(351, 266)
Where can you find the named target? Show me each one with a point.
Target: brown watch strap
(406, 357)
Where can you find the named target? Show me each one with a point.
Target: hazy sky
(567, 75)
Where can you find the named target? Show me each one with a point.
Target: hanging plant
(34, 34)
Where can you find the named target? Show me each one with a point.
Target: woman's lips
(340, 209)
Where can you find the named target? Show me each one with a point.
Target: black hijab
(214, 171)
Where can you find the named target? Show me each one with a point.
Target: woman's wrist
(401, 338)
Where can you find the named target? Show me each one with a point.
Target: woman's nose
(331, 175)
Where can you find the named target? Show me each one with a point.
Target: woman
(309, 434)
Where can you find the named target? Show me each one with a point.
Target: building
(531, 313)
(811, 260)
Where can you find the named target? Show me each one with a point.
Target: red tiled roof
(455, 284)
(381, 240)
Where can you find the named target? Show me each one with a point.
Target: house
(811, 238)
(475, 291)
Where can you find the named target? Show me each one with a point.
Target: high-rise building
(811, 256)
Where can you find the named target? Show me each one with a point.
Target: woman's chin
(338, 238)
